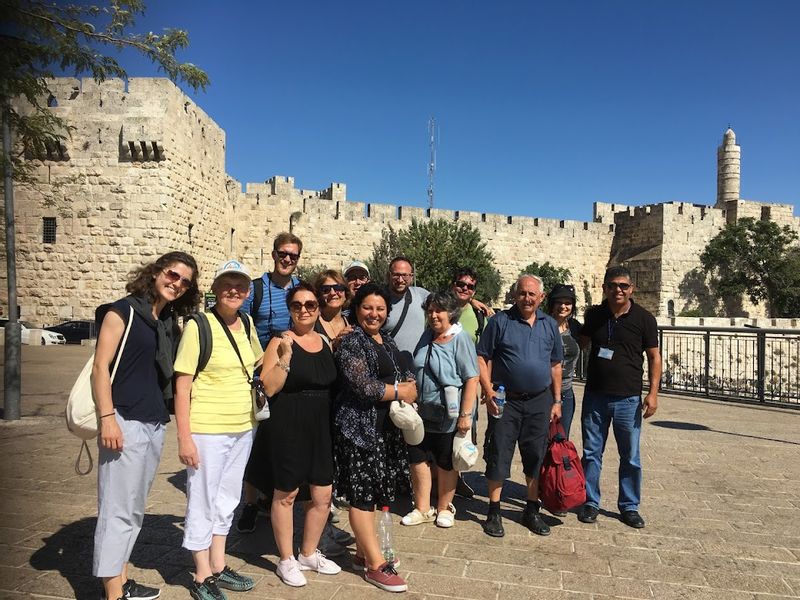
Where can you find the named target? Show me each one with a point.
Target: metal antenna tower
(433, 136)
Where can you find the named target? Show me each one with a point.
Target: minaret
(729, 158)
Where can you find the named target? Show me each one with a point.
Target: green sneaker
(207, 590)
(231, 580)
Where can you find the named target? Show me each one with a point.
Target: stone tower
(729, 156)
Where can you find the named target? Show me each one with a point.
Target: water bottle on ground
(500, 401)
(385, 538)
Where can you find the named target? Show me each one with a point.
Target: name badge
(606, 353)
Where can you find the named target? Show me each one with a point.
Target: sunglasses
(462, 285)
(357, 277)
(174, 276)
(328, 288)
(290, 255)
(309, 305)
(612, 285)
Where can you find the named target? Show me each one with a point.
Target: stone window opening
(51, 101)
(190, 233)
(49, 230)
(233, 231)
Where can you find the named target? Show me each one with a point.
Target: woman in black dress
(298, 373)
(371, 456)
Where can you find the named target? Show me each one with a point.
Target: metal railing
(743, 363)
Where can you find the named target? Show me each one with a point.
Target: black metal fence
(730, 363)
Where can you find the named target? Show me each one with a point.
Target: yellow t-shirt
(222, 401)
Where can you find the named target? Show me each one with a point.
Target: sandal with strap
(416, 517)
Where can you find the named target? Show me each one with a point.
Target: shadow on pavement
(69, 551)
(698, 427)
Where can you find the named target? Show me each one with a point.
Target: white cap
(231, 266)
(465, 454)
(356, 264)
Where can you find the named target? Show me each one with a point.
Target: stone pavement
(721, 499)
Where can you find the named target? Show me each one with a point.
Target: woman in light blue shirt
(446, 368)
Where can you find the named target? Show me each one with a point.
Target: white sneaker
(317, 562)
(289, 572)
(446, 518)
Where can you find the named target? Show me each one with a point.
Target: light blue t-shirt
(273, 315)
(453, 363)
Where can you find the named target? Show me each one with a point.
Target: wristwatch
(558, 402)
(465, 414)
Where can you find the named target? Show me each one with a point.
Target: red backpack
(562, 485)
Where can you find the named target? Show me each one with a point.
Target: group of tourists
(333, 359)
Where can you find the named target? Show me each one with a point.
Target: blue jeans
(599, 411)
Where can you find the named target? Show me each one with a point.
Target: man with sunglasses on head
(618, 332)
(266, 303)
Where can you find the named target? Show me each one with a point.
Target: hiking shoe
(463, 489)
(359, 563)
(289, 572)
(231, 580)
(416, 517)
(207, 590)
(247, 520)
(632, 518)
(386, 578)
(493, 525)
(340, 536)
(588, 514)
(447, 517)
(136, 591)
(534, 521)
(317, 562)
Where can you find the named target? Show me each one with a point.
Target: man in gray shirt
(406, 321)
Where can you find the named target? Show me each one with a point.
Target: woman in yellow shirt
(214, 413)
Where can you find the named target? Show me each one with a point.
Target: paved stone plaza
(722, 492)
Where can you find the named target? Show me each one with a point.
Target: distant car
(74, 331)
(28, 334)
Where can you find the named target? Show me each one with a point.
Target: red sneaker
(386, 578)
(360, 563)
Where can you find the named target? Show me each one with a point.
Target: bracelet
(465, 414)
(111, 414)
(395, 389)
(284, 367)
(558, 402)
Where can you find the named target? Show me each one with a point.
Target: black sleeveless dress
(299, 434)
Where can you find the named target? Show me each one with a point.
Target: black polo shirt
(628, 337)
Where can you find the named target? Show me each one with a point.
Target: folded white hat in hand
(465, 453)
(406, 419)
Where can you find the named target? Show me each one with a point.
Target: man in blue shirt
(266, 302)
(521, 350)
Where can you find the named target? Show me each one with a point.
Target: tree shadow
(697, 427)
(69, 552)
(694, 290)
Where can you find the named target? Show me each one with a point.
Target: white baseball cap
(231, 266)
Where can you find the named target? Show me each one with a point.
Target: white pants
(214, 488)
(124, 480)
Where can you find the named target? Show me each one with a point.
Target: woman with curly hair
(133, 409)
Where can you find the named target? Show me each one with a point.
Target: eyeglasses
(613, 285)
(308, 305)
(328, 288)
(290, 255)
(355, 277)
(402, 275)
(464, 285)
(174, 276)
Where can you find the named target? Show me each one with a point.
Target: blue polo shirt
(273, 314)
(521, 355)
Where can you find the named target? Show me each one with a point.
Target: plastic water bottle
(500, 401)
(385, 535)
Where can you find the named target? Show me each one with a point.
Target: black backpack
(481, 322)
(206, 341)
(258, 296)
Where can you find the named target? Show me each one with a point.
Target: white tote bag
(81, 411)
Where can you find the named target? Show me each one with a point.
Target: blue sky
(543, 107)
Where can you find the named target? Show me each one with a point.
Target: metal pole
(707, 362)
(761, 364)
(13, 363)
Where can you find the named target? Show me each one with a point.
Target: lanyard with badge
(605, 351)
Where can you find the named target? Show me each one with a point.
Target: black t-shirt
(627, 337)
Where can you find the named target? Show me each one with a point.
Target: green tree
(40, 37)
(550, 274)
(437, 247)
(754, 259)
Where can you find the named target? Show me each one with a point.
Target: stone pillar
(729, 156)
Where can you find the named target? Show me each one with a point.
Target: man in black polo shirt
(521, 350)
(619, 331)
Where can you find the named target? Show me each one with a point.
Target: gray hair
(529, 276)
(447, 301)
